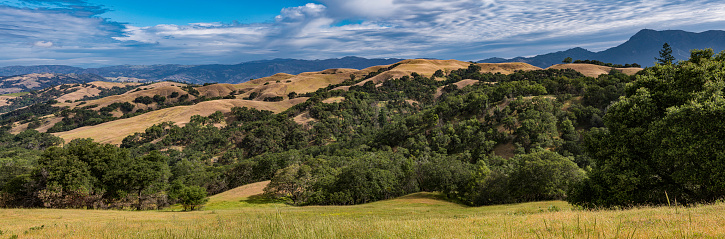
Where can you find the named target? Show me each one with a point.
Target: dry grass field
(83, 91)
(243, 213)
(594, 70)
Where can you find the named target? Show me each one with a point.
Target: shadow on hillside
(428, 198)
(261, 199)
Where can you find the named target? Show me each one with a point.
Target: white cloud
(45, 44)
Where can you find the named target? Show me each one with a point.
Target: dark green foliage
(666, 57)
(252, 96)
(183, 97)
(191, 90)
(543, 175)
(274, 99)
(191, 197)
(174, 94)
(159, 99)
(144, 176)
(146, 100)
(79, 117)
(36, 110)
(664, 137)
(599, 63)
(245, 114)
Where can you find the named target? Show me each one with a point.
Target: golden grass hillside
(160, 88)
(428, 67)
(283, 84)
(113, 132)
(89, 90)
(594, 70)
(419, 215)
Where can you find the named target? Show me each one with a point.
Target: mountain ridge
(641, 48)
(200, 74)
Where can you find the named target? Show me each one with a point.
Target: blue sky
(92, 33)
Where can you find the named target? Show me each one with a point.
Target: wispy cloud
(71, 32)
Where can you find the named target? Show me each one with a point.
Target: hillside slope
(113, 132)
(28, 82)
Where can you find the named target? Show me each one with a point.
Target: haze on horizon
(92, 33)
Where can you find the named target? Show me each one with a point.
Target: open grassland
(237, 214)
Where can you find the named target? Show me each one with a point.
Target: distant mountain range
(36, 81)
(205, 73)
(641, 48)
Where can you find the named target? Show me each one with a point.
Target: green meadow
(419, 215)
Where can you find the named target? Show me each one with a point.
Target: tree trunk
(138, 206)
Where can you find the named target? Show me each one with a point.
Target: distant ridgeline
(199, 74)
(477, 138)
(641, 48)
(29, 82)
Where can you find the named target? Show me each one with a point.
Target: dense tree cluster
(663, 139)
(599, 63)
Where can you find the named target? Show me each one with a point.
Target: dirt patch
(505, 150)
(333, 100)
(304, 118)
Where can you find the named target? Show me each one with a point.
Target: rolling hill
(253, 94)
(37, 81)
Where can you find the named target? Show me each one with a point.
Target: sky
(92, 33)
